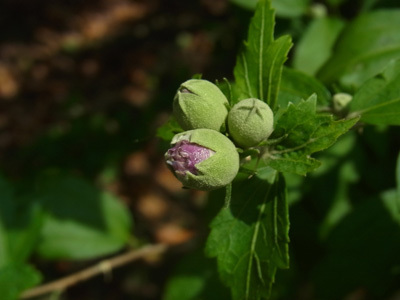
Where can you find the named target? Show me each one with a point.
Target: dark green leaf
(369, 4)
(378, 100)
(335, 2)
(16, 278)
(250, 237)
(315, 45)
(82, 221)
(196, 278)
(362, 251)
(248, 4)
(259, 64)
(24, 232)
(296, 86)
(341, 201)
(304, 131)
(6, 196)
(20, 223)
(364, 48)
(398, 181)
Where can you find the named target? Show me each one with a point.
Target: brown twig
(104, 266)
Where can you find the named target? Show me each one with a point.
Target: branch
(100, 268)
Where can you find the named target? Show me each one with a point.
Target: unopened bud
(203, 159)
(250, 121)
(200, 104)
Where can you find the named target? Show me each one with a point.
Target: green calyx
(216, 171)
(200, 104)
(250, 122)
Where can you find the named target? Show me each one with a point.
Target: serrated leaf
(293, 162)
(378, 100)
(296, 85)
(303, 131)
(259, 64)
(249, 238)
(364, 48)
(15, 278)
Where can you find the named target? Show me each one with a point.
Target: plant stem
(102, 267)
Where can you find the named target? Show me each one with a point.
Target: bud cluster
(205, 156)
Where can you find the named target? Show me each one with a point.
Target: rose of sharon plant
(200, 104)
(250, 121)
(203, 159)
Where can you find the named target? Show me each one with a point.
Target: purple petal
(184, 156)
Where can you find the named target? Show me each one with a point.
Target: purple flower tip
(184, 156)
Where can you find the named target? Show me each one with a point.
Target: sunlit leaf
(315, 45)
(303, 131)
(259, 64)
(364, 48)
(378, 100)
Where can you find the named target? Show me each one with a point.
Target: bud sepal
(199, 103)
(203, 159)
(250, 122)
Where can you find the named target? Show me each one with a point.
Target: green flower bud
(341, 100)
(250, 121)
(200, 104)
(203, 159)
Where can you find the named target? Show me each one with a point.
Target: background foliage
(83, 88)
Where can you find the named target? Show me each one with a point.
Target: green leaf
(364, 48)
(250, 237)
(363, 250)
(81, 222)
(169, 129)
(195, 278)
(303, 131)
(16, 278)
(6, 196)
(341, 202)
(24, 232)
(20, 223)
(226, 88)
(398, 181)
(248, 4)
(378, 100)
(315, 45)
(284, 8)
(259, 64)
(296, 85)
(291, 8)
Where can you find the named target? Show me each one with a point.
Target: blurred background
(84, 85)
